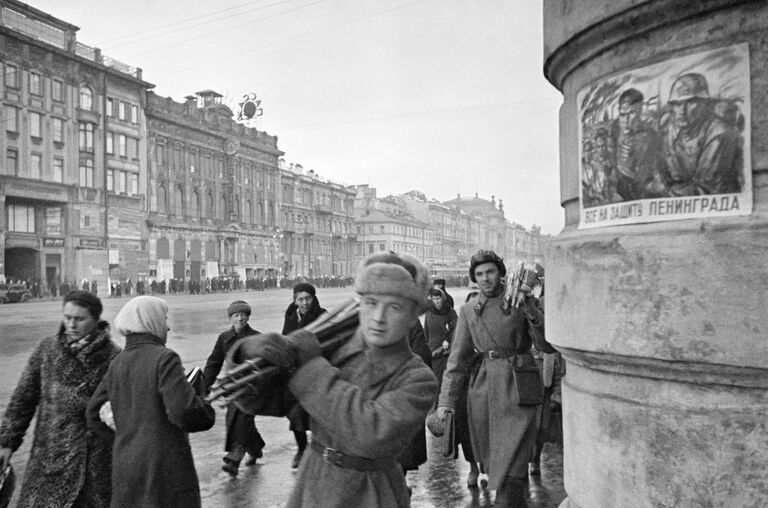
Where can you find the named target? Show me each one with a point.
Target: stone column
(660, 308)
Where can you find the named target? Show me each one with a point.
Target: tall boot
(301, 441)
(512, 494)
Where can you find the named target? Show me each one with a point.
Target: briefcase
(7, 484)
(196, 379)
(449, 435)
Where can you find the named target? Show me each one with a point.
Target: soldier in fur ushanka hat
(367, 399)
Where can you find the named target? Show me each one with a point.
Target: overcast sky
(441, 96)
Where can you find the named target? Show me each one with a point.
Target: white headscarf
(143, 314)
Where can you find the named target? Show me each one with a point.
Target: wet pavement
(195, 322)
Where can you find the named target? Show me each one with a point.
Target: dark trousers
(242, 435)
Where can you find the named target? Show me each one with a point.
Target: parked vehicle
(10, 293)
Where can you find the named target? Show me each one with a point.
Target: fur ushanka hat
(486, 256)
(388, 273)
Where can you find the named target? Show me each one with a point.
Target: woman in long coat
(67, 466)
(415, 454)
(439, 325)
(154, 407)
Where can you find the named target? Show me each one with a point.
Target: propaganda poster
(667, 141)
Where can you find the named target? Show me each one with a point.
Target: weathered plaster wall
(664, 325)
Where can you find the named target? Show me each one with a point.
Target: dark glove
(272, 347)
(305, 346)
(531, 310)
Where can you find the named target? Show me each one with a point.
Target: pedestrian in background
(67, 466)
(439, 325)
(440, 284)
(415, 453)
(242, 435)
(304, 309)
(153, 407)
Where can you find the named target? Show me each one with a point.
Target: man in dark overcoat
(491, 358)
(242, 434)
(303, 310)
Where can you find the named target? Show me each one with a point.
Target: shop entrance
(22, 263)
(53, 269)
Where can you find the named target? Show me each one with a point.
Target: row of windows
(323, 226)
(210, 167)
(122, 145)
(117, 181)
(304, 197)
(12, 79)
(124, 182)
(397, 230)
(35, 169)
(85, 130)
(122, 110)
(214, 209)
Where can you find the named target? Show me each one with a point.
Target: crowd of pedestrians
(112, 425)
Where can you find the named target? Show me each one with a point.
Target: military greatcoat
(364, 402)
(503, 433)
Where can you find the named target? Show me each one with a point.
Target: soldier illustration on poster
(667, 141)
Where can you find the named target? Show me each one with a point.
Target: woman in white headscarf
(154, 407)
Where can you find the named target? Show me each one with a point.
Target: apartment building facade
(73, 154)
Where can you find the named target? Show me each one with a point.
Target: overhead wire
(289, 39)
(207, 22)
(228, 28)
(415, 114)
(181, 21)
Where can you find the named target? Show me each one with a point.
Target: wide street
(195, 321)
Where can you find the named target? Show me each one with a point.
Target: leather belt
(337, 458)
(494, 355)
(499, 355)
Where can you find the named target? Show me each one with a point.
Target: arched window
(249, 212)
(223, 208)
(162, 199)
(236, 211)
(179, 201)
(271, 216)
(210, 204)
(86, 98)
(195, 204)
(260, 214)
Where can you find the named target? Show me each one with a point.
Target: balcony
(326, 209)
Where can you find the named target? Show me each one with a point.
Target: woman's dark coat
(439, 326)
(65, 458)
(154, 407)
(241, 430)
(293, 322)
(415, 454)
(298, 418)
